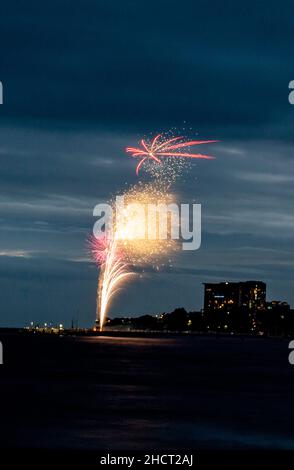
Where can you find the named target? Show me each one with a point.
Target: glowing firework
(162, 147)
(115, 254)
(113, 272)
(99, 248)
(139, 231)
(155, 218)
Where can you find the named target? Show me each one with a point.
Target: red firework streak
(160, 147)
(99, 248)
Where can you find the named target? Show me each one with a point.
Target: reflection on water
(148, 393)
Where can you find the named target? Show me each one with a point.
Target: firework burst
(126, 248)
(161, 147)
(99, 248)
(116, 253)
(133, 229)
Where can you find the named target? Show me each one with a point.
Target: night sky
(84, 79)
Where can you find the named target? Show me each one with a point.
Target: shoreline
(137, 334)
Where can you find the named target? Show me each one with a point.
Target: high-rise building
(252, 295)
(222, 296)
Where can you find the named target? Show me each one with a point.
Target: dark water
(146, 393)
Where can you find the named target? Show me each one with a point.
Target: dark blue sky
(83, 79)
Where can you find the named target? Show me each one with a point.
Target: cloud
(16, 254)
(81, 84)
(266, 178)
(121, 69)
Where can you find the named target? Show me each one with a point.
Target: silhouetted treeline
(274, 320)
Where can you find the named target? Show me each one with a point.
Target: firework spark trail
(162, 147)
(113, 271)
